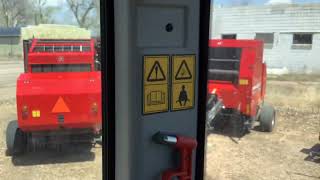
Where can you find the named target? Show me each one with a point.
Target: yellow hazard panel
(183, 79)
(182, 96)
(155, 99)
(183, 67)
(156, 70)
(155, 84)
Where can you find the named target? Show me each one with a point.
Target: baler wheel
(16, 139)
(267, 118)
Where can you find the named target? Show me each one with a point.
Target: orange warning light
(60, 106)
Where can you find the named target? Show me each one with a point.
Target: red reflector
(60, 106)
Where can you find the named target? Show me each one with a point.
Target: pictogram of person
(183, 96)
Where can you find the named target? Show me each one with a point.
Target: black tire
(16, 139)
(267, 118)
(10, 136)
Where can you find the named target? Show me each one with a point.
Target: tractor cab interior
(153, 89)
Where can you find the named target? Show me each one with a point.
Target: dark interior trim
(202, 88)
(108, 90)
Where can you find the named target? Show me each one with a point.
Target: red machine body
(237, 74)
(60, 88)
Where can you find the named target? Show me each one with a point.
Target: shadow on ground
(313, 153)
(232, 136)
(231, 132)
(69, 154)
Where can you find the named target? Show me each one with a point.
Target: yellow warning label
(183, 68)
(183, 79)
(155, 99)
(156, 76)
(156, 69)
(182, 96)
(184, 72)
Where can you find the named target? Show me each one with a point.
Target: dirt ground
(276, 156)
(75, 163)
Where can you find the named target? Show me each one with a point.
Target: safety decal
(156, 84)
(183, 82)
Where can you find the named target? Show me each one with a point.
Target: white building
(291, 32)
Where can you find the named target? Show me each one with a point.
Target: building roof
(9, 32)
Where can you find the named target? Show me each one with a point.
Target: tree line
(16, 13)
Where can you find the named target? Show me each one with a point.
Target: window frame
(302, 45)
(233, 36)
(267, 45)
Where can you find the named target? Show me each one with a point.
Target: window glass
(229, 36)
(50, 90)
(267, 38)
(302, 38)
(263, 113)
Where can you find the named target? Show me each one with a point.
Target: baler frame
(58, 95)
(236, 86)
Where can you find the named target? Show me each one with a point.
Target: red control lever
(185, 146)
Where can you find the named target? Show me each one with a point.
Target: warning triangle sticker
(156, 73)
(60, 106)
(183, 72)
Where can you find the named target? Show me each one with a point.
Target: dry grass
(294, 94)
(296, 77)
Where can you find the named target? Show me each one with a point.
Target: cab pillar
(154, 81)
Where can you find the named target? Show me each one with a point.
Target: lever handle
(166, 139)
(185, 146)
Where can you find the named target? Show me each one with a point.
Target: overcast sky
(63, 12)
(54, 2)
